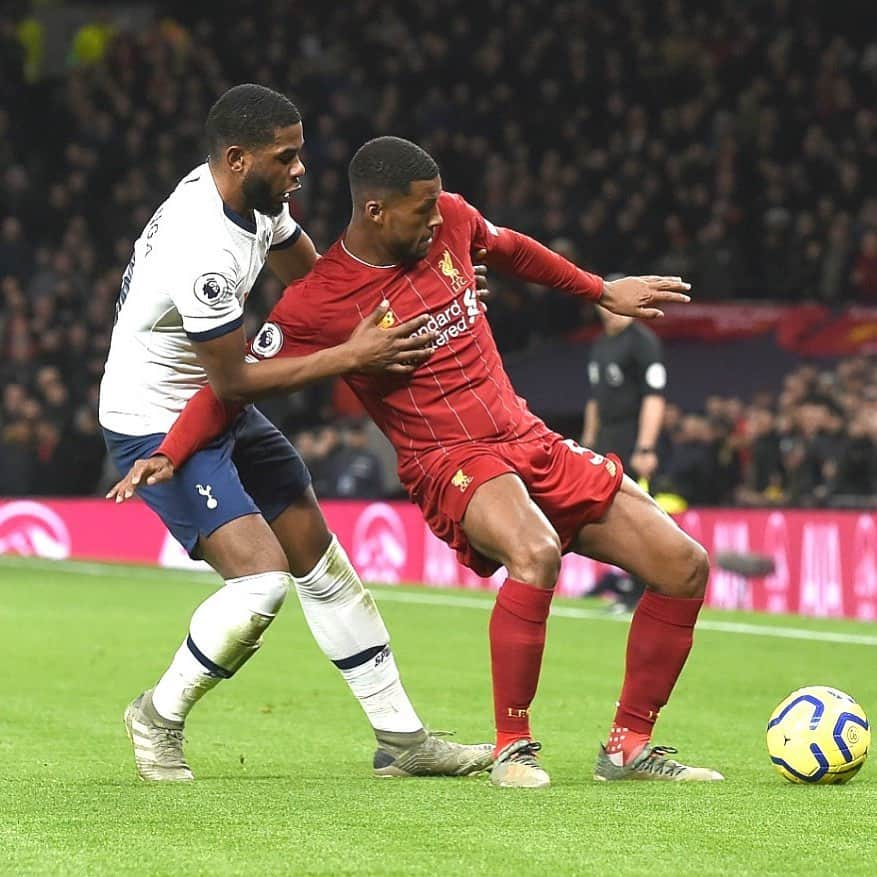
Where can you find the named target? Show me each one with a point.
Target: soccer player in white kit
(244, 503)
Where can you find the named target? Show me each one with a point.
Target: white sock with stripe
(348, 627)
(225, 631)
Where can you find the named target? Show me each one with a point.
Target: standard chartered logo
(454, 320)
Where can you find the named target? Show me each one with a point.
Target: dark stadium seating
(729, 143)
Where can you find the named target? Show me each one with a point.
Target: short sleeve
(204, 291)
(286, 230)
(291, 328)
(649, 354)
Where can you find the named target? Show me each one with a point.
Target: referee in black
(624, 415)
(627, 378)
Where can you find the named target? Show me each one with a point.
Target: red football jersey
(463, 393)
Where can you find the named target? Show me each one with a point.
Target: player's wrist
(167, 455)
(644, 449)
(593, 286)
(349, 358)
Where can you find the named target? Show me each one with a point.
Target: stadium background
(736, 147)
(732, 142)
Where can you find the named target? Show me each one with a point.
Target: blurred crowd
(731, 143)
(812, 444)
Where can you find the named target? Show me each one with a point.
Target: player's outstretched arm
(643, 297)
(523, 257)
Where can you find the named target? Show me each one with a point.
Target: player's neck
(231, 195)
(358, 243)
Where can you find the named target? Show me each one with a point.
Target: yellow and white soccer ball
(818, 735)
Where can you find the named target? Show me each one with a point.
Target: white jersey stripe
(513, 416)
(469, 386)
(436, 378)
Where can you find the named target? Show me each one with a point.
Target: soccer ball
(818, 735)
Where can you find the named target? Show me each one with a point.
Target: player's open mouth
(288, 193)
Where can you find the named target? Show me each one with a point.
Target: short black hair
(248, 115)
(390, 164)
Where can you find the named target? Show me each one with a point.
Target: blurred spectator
(84, 444)
(17, 461)
(763, 472)
(357, 472)
(854, 474)
(692, 468)
(835, 264)
(341, 462)
(865, 268)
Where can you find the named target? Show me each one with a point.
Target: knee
(686, 572)
(332, 579)
(262, 594)
(697, 571)
(536, 560)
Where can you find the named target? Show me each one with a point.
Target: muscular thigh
(503, 523)
(278, 480)
(637, 535)
(243, 547)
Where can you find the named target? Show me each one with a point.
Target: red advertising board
(806, 330)
(825, 561)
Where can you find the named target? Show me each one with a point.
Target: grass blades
(282, 753)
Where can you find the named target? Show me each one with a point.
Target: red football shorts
(572, 485)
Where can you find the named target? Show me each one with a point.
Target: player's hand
(482, 290)
(380, 344)
(642, 296)
(644, 463)
(150, 471)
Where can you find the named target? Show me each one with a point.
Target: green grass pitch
(282, 753)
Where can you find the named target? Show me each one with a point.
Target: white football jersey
(192, 269)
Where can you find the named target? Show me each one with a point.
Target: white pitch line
(86, 567)
(596, 615)
(428, 598)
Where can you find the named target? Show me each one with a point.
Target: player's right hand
(380, 344)
(642, 296)
(150, 471)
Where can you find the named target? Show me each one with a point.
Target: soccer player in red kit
(490, 478)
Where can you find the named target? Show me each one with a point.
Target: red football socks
(658, 644)
(517, 639)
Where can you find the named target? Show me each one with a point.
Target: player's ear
(235, 158)
(374, 210)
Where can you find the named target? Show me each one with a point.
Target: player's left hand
(150, 471)
(642, 296)
(482, 290)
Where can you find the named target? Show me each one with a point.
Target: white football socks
(348, 627)
(225, 631)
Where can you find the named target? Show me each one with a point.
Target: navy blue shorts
(250, 469)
